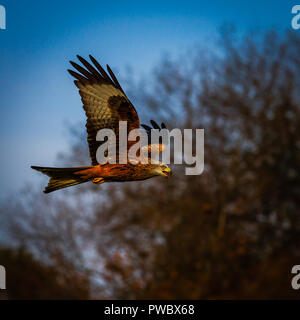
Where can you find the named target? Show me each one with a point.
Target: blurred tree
(31, 279)
(232, 232)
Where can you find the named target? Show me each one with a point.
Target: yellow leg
(98, 180)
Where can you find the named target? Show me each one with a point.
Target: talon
(98, 180)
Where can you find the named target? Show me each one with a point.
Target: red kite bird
(105, 104)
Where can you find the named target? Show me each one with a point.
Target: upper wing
(104, 101)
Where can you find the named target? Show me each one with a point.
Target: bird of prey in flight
(105, 104)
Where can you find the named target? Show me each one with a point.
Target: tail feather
(61, 177)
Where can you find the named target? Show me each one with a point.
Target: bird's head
(165, 171)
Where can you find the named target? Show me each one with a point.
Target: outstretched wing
(104, 101)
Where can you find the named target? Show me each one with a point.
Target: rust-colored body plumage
(118, 172)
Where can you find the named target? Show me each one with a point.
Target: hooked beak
(167, 172)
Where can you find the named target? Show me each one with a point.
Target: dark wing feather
(90, 68)
(114, 78)
(104, 102)
(155, 148)
(101, 70)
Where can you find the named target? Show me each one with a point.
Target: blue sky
(37, 95)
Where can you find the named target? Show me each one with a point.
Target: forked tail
(61, 177)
